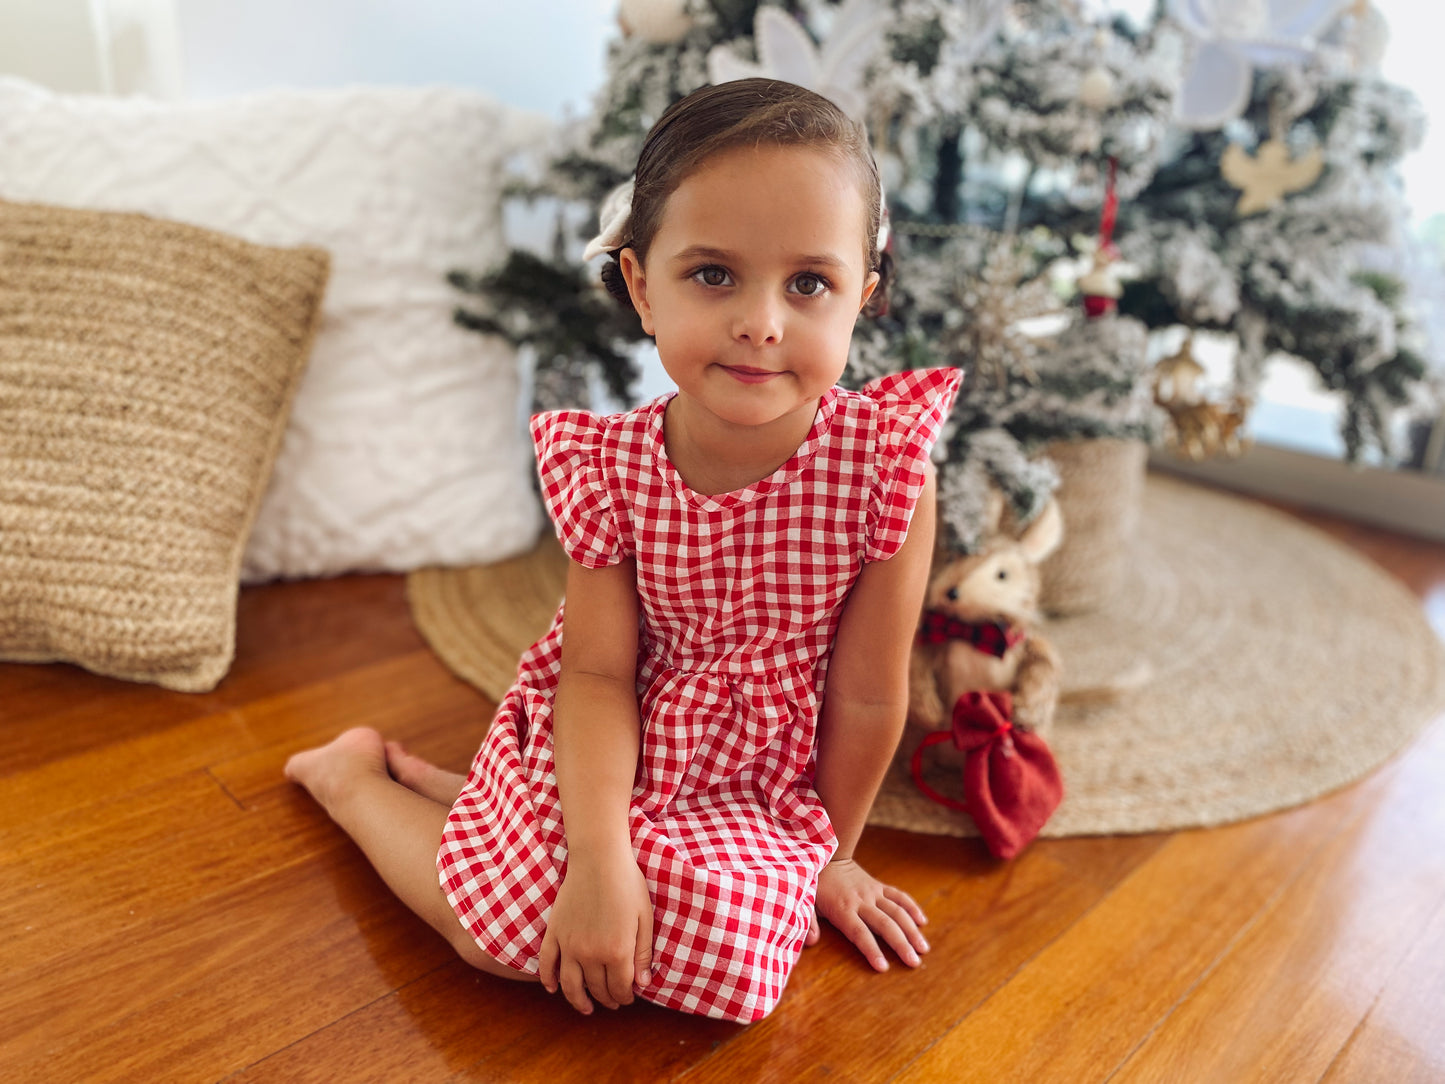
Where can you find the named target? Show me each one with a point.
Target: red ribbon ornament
(1110, 214)
(1096, 305)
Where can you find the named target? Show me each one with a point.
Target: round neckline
(784, 474)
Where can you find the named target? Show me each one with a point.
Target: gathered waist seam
(803, 668)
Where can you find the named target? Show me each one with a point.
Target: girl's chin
(757, 414)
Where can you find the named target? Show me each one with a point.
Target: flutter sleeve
(571, 466)
(912, 409)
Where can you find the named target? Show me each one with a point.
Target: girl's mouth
(748, 375)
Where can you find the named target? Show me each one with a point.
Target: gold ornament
(1209, 429)
(1198, 428)
(1268, 176)
(988, 309)
(1097, 89)
(662, 22)
(1103, 279)
(1176, 378)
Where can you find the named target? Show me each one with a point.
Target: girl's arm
(864, 707)
(599, 935)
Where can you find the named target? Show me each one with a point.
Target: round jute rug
(1282, 666)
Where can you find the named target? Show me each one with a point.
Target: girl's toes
(360, 749)
(422, 776)
(299, 766)
(396, 758)
(406, 769)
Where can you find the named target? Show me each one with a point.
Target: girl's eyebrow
(706, 252)
(701, 252)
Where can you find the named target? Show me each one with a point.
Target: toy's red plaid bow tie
(992, 637)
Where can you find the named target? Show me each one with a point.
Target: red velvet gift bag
(1011, 785)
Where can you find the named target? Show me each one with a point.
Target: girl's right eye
(711, 275)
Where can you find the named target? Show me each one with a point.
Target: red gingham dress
(740, 596)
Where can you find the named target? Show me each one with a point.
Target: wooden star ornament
(1269, 175)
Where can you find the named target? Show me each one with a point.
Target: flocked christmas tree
(1244, 146)
(1260, 222)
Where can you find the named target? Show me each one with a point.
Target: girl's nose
(758, 320)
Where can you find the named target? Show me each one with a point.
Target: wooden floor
(172, 910)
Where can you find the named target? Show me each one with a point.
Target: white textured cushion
(405, 446)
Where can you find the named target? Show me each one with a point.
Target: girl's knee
(471, 952)
(475, 956)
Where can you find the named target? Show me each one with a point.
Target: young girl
(670, 794)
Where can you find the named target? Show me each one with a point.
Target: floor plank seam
(1400, 965)
(984, 1000)
(1259, 912)
(697, 1066)
(331, 1024)
(1354, 1032)
(226, 790)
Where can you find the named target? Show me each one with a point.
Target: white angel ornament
(1233, 37)
(786, 52)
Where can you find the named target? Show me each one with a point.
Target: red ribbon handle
(916, 768)
(979, 718)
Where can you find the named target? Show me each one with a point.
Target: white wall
(1412, 59)
(543, 55)
(52, 42)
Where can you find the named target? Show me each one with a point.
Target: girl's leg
(396, 827)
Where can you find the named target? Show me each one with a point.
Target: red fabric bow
(1011, 784)
(991, 637)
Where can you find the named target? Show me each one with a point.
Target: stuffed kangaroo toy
(976, 630)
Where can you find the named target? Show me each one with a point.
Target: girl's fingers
(898, 896)
(642, 962)
(858, 932)
(619, 983)
(547, 961)
(896, 927)
(596, 976)
(905, 921)
(574, 987)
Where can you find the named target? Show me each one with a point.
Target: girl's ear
(869, 285)
(636, 280)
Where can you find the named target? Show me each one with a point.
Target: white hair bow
(617, 209)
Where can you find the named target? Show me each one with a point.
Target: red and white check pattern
(741, 595)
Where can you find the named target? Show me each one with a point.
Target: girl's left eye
(809, 284)
(711, 276)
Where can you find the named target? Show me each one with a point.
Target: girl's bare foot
(326, 770)
(423, 776)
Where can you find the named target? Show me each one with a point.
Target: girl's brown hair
(746, 112)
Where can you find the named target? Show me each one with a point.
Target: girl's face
(754, 280)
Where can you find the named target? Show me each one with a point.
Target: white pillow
(405, 446)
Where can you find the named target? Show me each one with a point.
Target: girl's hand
(599, 938)
(860, 906)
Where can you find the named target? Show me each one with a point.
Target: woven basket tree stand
(1101, 492)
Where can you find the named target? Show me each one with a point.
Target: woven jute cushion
(146, 371)
(1278, 665)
